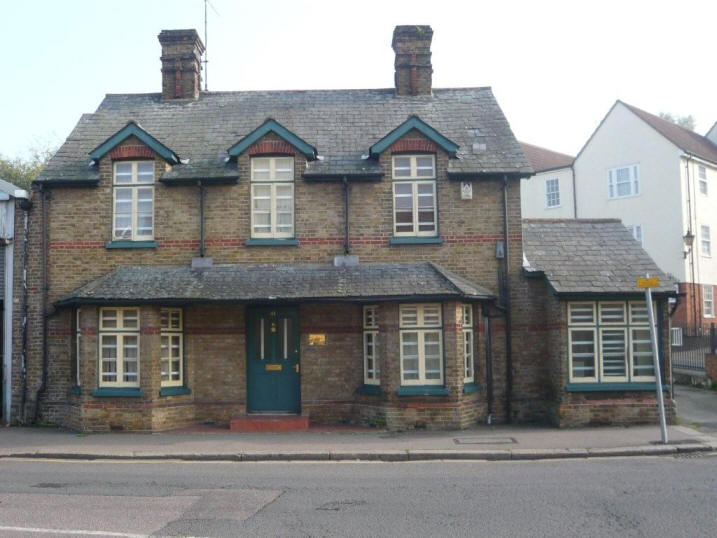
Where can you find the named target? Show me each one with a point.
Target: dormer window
(414, 195)
(133, 201)
(272, 197)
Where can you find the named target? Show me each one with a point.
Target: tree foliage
(688, 122)
(21, 171)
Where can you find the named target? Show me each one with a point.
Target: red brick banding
(132, 151)
(271, 147)
(414, 144)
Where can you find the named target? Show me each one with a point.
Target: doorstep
(269, 423)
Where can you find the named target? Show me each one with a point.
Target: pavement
(502, 442)
(697, 408)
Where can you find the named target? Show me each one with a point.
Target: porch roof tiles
(588, 256)
(276, 282)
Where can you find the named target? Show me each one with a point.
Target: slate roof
(542, 159)
(596, 256)
(688, 141)
(281, 282)
(341, 124)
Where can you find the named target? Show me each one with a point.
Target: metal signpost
(647, 284)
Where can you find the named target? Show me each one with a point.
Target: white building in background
(549, 193)
(660, 180)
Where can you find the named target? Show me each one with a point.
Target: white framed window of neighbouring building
(552, 192)
(119, 347)
(623, 181)
(133, 201)
(272, 197)
(636, 230)
(609, 342)
(705, 241)
(421, 342)
(468, 343)
(371, 368)
(708, 301)
(702, 177)
(414, 195)
(172, 347)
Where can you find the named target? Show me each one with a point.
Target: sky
(555, 67)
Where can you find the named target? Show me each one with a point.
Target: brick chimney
(181, 64)
(412, 45)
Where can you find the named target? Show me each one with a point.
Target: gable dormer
(286, 142)
(148, 148)
(398, 141)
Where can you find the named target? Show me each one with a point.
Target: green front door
(273, 360)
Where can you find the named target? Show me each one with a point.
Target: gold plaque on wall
(317, 339)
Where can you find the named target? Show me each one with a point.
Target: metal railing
(689, 347)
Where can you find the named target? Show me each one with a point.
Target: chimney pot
(412, 45)
(181, 64)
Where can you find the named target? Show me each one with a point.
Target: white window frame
(371, 375)
(171, 332)
(637, 234)
(634, 319)
(468, 344)
(702, 176)
(705, 241)
(134, 186)
(555, 193)
(421, 328)
(633, 181)
(708, 301)
(414, 180)
(273, 183)
(120, 332)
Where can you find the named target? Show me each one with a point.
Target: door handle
(296, 367)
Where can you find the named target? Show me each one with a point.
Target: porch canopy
(251, 283)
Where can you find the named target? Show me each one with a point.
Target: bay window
(272, 197)
(469, 368)
(421, 342)
(371, 368)
(119, 347)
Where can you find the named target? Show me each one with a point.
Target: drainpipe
(692, 248)
(202, 193)
(26, 205)
(506, 286)
(45, 314)
(488, 363)
(575, 192)
(347, 190)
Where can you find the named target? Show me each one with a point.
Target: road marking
(73, 531)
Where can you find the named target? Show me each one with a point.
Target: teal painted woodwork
(132, 129)
(271, 243)
(371, 390)
(415, 240)
(610, 387)
(273, 126)
(423, 390)
(174, 391)
(131, 244)
(75, 389)
(117, 392)
(273, 376)
(414, 122)
(470, 388)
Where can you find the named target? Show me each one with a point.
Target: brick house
(339, 255)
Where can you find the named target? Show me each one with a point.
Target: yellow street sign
(651, 282)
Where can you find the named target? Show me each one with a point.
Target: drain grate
(484, 440)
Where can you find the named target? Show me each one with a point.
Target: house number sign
(317, 339)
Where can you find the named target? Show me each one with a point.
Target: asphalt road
(665, 496)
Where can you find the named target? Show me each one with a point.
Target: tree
(22, 171)
(688, 122)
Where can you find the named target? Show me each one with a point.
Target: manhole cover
(484, 440)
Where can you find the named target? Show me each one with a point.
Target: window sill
(271, 243)
(131, 244)
(611, 387)
(371, 390)
(470, 388)
(174, 391)
(415, 241)
(117, 392)
(423, 390)
(75, 389)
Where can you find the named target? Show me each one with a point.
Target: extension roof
(340, 124)
(543, 160)
(588, 256)
(276, 282)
